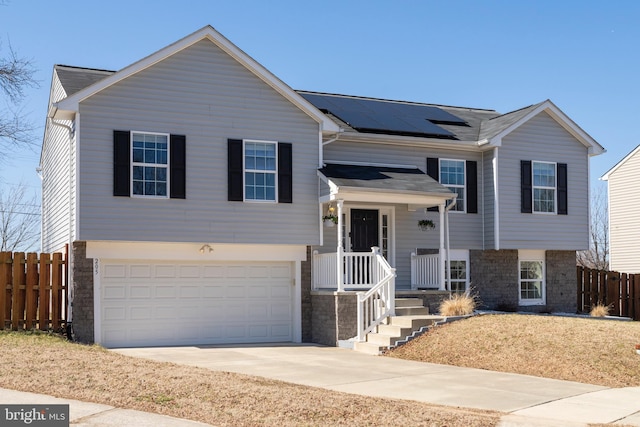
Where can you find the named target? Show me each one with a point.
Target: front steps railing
(412, 320)
(378, 303)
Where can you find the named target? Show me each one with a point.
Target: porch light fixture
(331, 209)
(206, 247)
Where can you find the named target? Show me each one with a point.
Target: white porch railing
(325, 270)
(377, 303)
(425, 271)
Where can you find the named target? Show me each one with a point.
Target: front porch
(367, 207)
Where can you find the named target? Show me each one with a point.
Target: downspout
(447, 242)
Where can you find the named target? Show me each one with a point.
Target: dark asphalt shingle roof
(74, 79)
(492, 127)
(382, 178)
(480, 123)
(474, 117)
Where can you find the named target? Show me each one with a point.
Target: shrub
(458, 305)
(600, 310)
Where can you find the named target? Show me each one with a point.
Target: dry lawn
(585, 350)
(48, 364)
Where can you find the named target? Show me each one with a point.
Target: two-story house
(623, 179)
(193, 185)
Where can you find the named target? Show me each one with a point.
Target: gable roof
(497, 128)
(615, 167)
(66, 108)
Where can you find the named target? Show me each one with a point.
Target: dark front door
(364, 229)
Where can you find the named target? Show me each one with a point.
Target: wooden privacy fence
(619, 291)
(33, 293)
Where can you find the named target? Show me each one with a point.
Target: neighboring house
(624, 234)
(191, 187)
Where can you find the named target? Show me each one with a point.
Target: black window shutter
(526, 195)
(285, 172)
(472, 186)
(178, 163)
(433, 170)
(562, 189)
(121, 163)
(234, 170)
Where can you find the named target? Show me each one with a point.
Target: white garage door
(164, 303)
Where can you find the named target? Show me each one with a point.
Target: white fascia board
(606, 176)
(166, 251)
(413, 141)
(562, 119)
(389, 196)
(70, 104)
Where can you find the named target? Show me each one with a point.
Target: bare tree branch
(16, 74)
(597, 257)
(19, 220)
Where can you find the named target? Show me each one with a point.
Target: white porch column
(441, 211)
(340, 249)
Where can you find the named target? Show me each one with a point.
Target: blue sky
(502, 55)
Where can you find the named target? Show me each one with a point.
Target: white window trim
(245, 170)
(534, 187)
(463, 186)
(536, 256)
(459, 255)
(168, 165)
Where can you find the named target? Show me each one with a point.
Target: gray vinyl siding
(465, 229)
(488, 198)
(204, 94)
(542, 139)
(58, 178)
(624, 206)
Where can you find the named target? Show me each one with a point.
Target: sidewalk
(94, 414)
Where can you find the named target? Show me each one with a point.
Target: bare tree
(19, 219)
(16, 74)
(597, 257)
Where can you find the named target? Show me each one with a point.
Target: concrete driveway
(352, 372)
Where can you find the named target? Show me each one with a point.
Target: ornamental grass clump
(458, 305)
(600, 310)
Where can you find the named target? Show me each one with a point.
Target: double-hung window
(260, 170)
(452, 176)
(531, 277)
(150, 165)
(544, 187)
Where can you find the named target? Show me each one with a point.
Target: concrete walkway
(527, 400)
(88, 414)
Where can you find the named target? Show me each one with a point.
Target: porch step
(367, 348)
(396, 330)
(412, 311)
(409, 302)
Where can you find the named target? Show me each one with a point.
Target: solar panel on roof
(369, 115)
